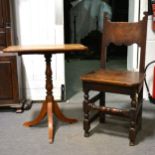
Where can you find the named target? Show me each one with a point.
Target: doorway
(85, 62)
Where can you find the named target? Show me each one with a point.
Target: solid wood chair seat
(114, 77)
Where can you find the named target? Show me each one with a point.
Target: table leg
(49, 106)
(61, 116)
(41, 116)
(50, 121)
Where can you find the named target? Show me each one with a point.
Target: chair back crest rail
(124, 33)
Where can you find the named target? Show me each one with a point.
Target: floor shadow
(115, 126)
(118, 126)
(7, 109)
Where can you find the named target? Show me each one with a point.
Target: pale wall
(40, 22)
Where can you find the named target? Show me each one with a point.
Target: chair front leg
(133, 111)
(86, 122)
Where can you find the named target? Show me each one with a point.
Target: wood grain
(43, 49)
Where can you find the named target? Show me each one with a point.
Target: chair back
(124, 33)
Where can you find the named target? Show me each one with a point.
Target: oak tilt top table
(49, 106)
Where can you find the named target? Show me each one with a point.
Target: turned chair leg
(102, 103)
(132, 130)
(86, 123)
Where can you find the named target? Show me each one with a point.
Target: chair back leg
(102, 103)
(86, 122)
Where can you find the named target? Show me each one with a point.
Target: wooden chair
(115, 81)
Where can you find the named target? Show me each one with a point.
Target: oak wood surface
(42, 49)
(122, 78)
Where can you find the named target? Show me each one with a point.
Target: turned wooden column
(49, 96)
(48, 72)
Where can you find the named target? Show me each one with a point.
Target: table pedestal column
(49, 106)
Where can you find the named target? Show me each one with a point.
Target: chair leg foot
(86, 128)
(132, 136)
(86, 134)
(131, 143)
